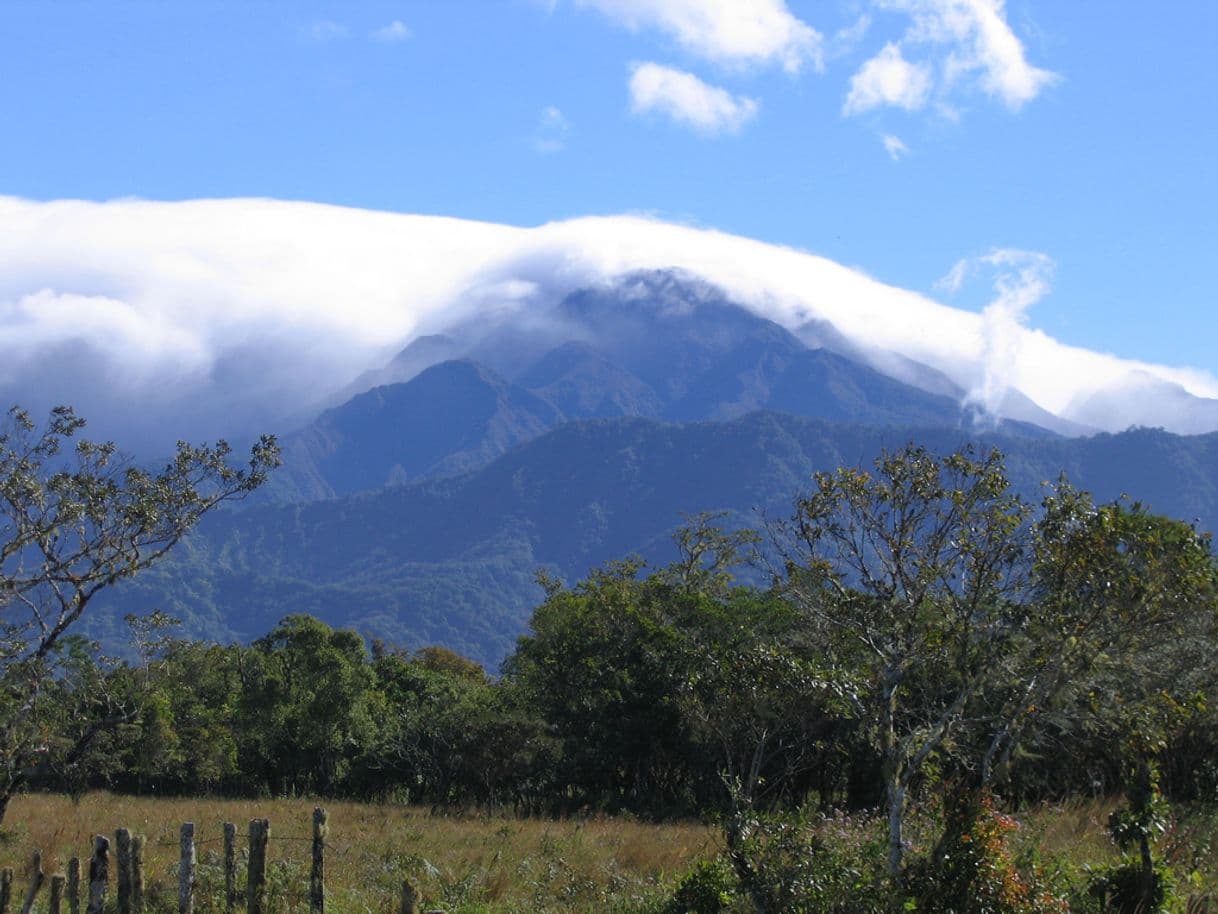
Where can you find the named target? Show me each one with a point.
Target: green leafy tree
(190, 714)
(1121, 610)
(76, 517)
(598, 667)
(304, 709)
(961, 624)
(910, 573)
(448, 735)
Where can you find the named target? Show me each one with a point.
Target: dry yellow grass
(478, 864)
(461, 863)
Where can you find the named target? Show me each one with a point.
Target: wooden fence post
(186, 870)
(137, 874)
(74, 886)
(56, 902)
(99, 874)
(317, 878)
(409, 898)
(6, 889)
(36, 879)
(230, 867)
(255, 878)
(122, 853)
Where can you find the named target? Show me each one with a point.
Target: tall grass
(487, 864)
(465, 864)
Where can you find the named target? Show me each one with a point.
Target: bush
(971, 871)
(708, 889)
(826, 865)
(1127, 888)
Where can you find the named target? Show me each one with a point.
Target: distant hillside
(654, 346)
(452, 417)
(451, 561)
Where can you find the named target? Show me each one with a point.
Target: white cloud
(953, 281)
(223, 317)
(750, 32)
(45, 320)
(973, 40)
(895, 147)
(552, 130)
(847, 39)
(687, 99)
(393, 32)
(325, 30)
(888, 79)
(1021, 279)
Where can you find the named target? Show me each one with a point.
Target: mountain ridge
(452, 560)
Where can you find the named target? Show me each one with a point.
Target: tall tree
(305, 705)
(71, 525)
(1120, 614)
(910, 572)
(956, 619)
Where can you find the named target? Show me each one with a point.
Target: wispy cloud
(1020, 280)
(687, 99)
(552, 130)
(979, 43)
(324, 30)
(738, 32)
(953, 281)
(894, 146)
(888, 79)
(845, 40)
(967, 45)
(392, 33)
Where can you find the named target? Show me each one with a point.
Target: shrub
(971, 870)
(1128, 888)
(822, 864)
(708, 889)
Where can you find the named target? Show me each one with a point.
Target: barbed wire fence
(131, 889)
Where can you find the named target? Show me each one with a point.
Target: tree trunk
(896, 821)
(6, 795)
(894, 786)
(736, 832)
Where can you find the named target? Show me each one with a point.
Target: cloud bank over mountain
(227, 317)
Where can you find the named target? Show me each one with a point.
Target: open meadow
(475, 863)
(459, 863)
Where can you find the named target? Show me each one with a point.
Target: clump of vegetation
(925, 627)
(972, 869)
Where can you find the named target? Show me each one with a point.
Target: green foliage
(827, 865)
(911, 572)
(1138, 884)
(972, 871)
(709, 888)
(304, 705)
(964, 624)
(666, 689)
(1129, 888)
(72, 526)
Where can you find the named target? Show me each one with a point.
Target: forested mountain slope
(452, 560)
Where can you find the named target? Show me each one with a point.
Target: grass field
(476, 864)
(459, 863)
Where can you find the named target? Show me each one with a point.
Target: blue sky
(897, 136)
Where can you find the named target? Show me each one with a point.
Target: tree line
(923, 626)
